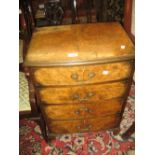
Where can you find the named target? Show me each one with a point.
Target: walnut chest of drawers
(82, 75)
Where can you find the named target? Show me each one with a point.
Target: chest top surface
(78, 43)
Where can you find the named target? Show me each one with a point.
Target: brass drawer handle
(85, 129)
(78, 111)
(76, 96)
(88, 110)
(75, 77)
(90, 94)
(91, 75)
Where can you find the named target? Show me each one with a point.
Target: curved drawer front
(87, 125)
(107, 72)
(82, 74)
(58, 75)
(82, 94)
(73, 111)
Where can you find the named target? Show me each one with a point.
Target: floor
(98, 143)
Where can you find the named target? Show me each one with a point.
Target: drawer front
(87, 125)
(73, 111)
(107, 72)
(76, 75)
(58, 75)
(81, 94)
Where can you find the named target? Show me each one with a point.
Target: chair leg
(32, 94)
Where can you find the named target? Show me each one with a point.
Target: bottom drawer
(87, 125)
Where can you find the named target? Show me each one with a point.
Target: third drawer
(89, 110)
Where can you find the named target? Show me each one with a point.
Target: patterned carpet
(100, 143)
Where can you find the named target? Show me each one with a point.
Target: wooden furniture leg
(43, 128)
(48, 137)
(116, 131)
(129, 132)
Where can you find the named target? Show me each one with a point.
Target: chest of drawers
(82, 75)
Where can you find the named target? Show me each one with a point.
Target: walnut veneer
(77, 94)
(82, 75)
(81, 111)
(74, 126)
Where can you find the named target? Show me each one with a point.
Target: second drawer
(82, 94)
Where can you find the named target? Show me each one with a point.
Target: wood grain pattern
(58, 75)
(81, 111)
(81, 42)
(87, 125)
(84, 74)
(77, 94)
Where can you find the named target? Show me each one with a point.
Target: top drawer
(75, 75)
